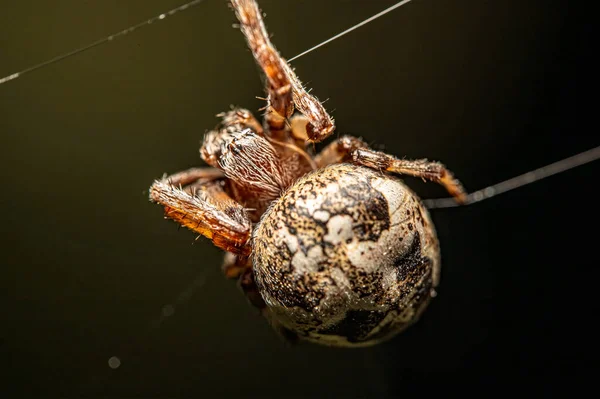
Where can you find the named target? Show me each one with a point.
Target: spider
(330, 246)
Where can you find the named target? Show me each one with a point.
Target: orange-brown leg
(283, 86)
(205, 208)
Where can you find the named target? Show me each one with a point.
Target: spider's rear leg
(352, 149)
(433, 171)
(205, 208)
(283, 86)
(235, 265)
(240, 267)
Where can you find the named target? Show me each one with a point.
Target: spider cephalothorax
(330, 247)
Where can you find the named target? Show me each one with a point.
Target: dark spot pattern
(356, 326)
(304, 300)
(369, 212)
(411, 260)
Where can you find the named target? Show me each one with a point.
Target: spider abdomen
(347, 256)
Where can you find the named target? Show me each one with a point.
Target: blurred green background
(492, 89)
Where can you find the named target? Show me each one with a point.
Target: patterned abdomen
(347, 256)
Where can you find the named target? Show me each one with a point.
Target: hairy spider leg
(283, 86)
(428, 170)
(205, 208)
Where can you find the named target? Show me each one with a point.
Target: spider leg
(283, 86)
(433, 171)
(240, 117)
(339, 151)
(352, 149)
(320, 124)
(239, 267)
(247, 284)
(297, 124)
(234, 266)
(242, 266)
(233, 121)
(280, 105)
(196, 176)
(205, 208)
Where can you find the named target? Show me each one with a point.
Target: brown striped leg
(248, 286)
(283, 86)
(422, 168)
(203, 207)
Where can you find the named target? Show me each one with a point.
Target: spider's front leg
(195, 199)
(283, 86)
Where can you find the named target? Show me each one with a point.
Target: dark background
(492, 89)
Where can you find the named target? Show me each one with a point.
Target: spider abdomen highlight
(347, 256)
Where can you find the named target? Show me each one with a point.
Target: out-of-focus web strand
(519, 181)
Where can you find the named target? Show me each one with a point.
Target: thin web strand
(480, 195)
(101, 41)
(174, 11)
(366, 21)
(519, 181)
